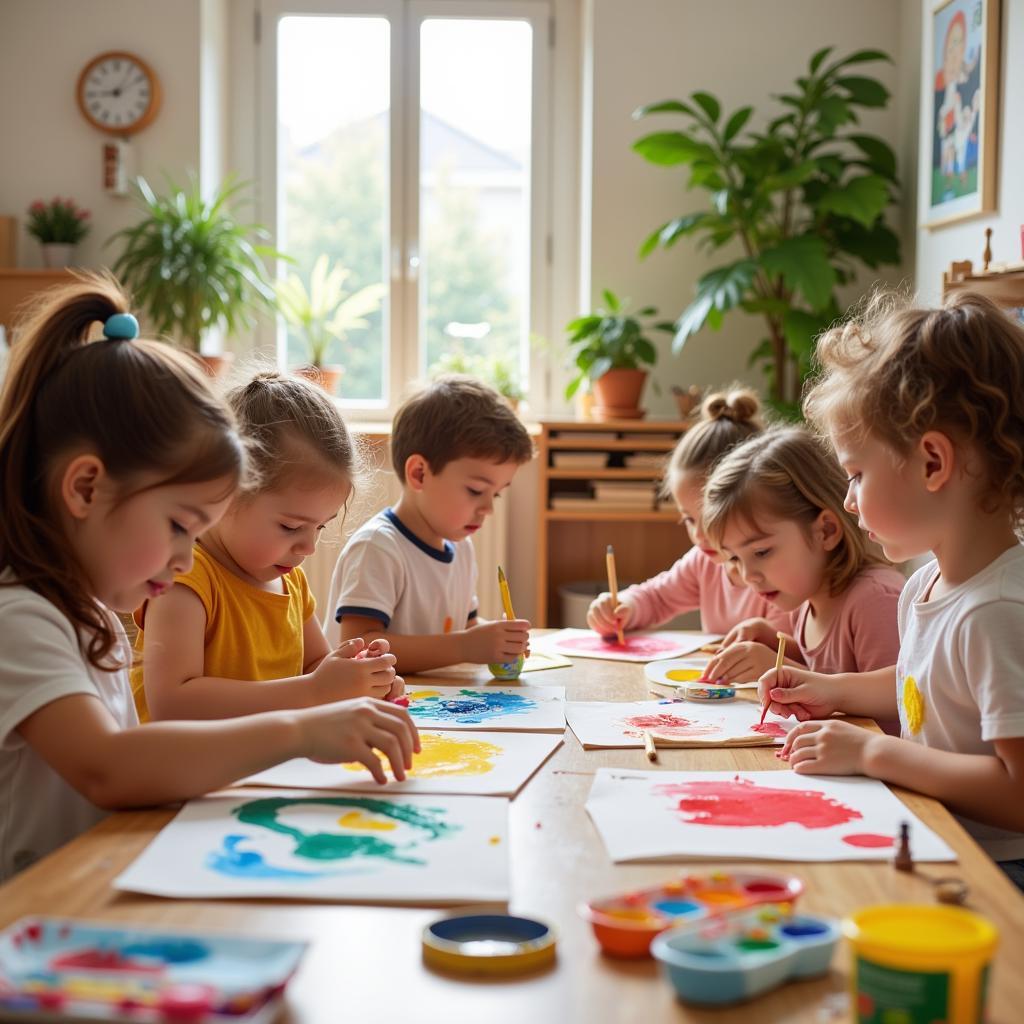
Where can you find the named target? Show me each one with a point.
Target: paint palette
(625, 925)
(679, 673)
(739, 956)
(61, 969)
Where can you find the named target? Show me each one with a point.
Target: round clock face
(118, 93)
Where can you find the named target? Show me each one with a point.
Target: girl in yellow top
(238, 633)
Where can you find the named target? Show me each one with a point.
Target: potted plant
(805, 200)
(323, 313)
(497, 371)
(59, 226)
(192, 266)
(611, 351)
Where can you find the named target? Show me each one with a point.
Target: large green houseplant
(803, 200)
(611, 352)
(324, 313)
(191, 264)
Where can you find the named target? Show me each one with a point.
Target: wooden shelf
(615, 473)
(1003, 285)
(18, 285)
(567, 515)
(561, 444)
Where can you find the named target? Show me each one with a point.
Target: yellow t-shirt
(250, 633)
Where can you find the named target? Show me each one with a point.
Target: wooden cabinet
(17, 286)
(578, 519)
(1004, 285)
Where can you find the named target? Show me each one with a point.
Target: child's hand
(758, 631)
(798, 692)
(605, 618)
(353, 730)
(740, 662)
(350, 671)
(496, 642)
(827, 748)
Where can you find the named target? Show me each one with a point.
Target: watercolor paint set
(625, 925)
(738, 956)
(58, 969)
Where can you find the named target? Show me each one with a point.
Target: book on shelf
(579, 460)
(593, 505)
(640, 438)
(646, 460)
(568, 436)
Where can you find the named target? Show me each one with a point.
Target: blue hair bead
(121, 327)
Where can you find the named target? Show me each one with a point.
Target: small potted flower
(59, 226)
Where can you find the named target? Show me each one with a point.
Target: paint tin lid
(926, 930)
(488, 944)
(708, 691)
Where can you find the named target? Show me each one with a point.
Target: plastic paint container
(920, 963)
(507, 669)
(488, 944)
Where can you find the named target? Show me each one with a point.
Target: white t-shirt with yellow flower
(960, 672)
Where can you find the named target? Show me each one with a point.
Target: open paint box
(742, 955)
(625, 925)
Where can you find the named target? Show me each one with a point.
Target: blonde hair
(143, 407)
(787, 473)
(293, 428)
(727, 418)
(897, 371)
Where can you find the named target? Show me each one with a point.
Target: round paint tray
(488, 944)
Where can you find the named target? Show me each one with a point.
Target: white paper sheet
(484, 764)
(642, 646)
(780, 815)
(356, 847)
(488, 708)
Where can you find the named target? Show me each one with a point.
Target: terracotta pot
(617, 394)
(328, 377)
(217, 366)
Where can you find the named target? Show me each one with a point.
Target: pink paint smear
(668, 726)
(869, 840)
(769, 729)
(645, 646)
(740, 803)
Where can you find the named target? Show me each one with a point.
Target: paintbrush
(650, 749)
(506, 597)
(778, 668)
(613, 587)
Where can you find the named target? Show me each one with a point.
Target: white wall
(48, 147)
(741, 51)
(966, 239)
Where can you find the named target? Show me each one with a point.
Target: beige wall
(48, 147)
(966, 239)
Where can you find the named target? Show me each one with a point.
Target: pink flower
(37, 207)
(82, 214)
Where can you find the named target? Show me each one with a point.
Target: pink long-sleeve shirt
(698, 581)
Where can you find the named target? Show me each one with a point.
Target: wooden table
(364, 964)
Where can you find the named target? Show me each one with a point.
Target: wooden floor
(365, 964)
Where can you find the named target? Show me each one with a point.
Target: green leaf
(819, 57)
(599, 367)
(833, 112)
(803, 265)
(708, 104)
(722, 289)
(663, 107)
(874, 246)
(858, 57)
(862, 199)
(610, 300)
(669, 233)
(801, 330)
(879, 154)
(735, 123)
(791, 177)
(669, 148)
(868, 92)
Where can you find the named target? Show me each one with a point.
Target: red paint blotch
(644, 646)
(870, 840)
(769, 729)
(740, 803)
(669, 726)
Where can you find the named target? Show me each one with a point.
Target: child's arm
(167, 761)
(483, 644)
(177, 688)
(804, 694)
(982, 787)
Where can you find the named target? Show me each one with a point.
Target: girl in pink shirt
(774, 505)
(700, 579)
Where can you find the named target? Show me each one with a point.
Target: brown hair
(897, 372)
(457, 417)
(141, 406)
(292, 427)
(787, 473)
(727, 418)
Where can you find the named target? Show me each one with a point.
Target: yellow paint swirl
(448, 756)
(684, 675)
(913, 705)
(365, 822)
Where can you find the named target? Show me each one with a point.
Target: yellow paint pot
(919, 964)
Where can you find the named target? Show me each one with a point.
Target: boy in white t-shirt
(925, 412)
(409, 574)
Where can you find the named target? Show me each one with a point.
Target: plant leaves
(735, 123)
(862, 199)
(804, 266)
(610, 300)
(868, 92)
(819, 57)
(723, 289)
(668, 148)
(708, 104)
(880, 155)
(663, 107)
(858, 57)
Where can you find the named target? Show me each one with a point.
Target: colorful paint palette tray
(625, 925)
(60, 969)
(741, 955)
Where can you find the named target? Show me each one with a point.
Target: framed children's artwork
(962, 113)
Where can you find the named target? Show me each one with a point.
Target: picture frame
(962, 112)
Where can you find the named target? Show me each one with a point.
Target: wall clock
(118, 93)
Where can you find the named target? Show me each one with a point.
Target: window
(407, 146)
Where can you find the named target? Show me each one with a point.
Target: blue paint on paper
(231, 861)
(472, 707)
(169, 951)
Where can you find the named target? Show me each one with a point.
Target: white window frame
(402, 341)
